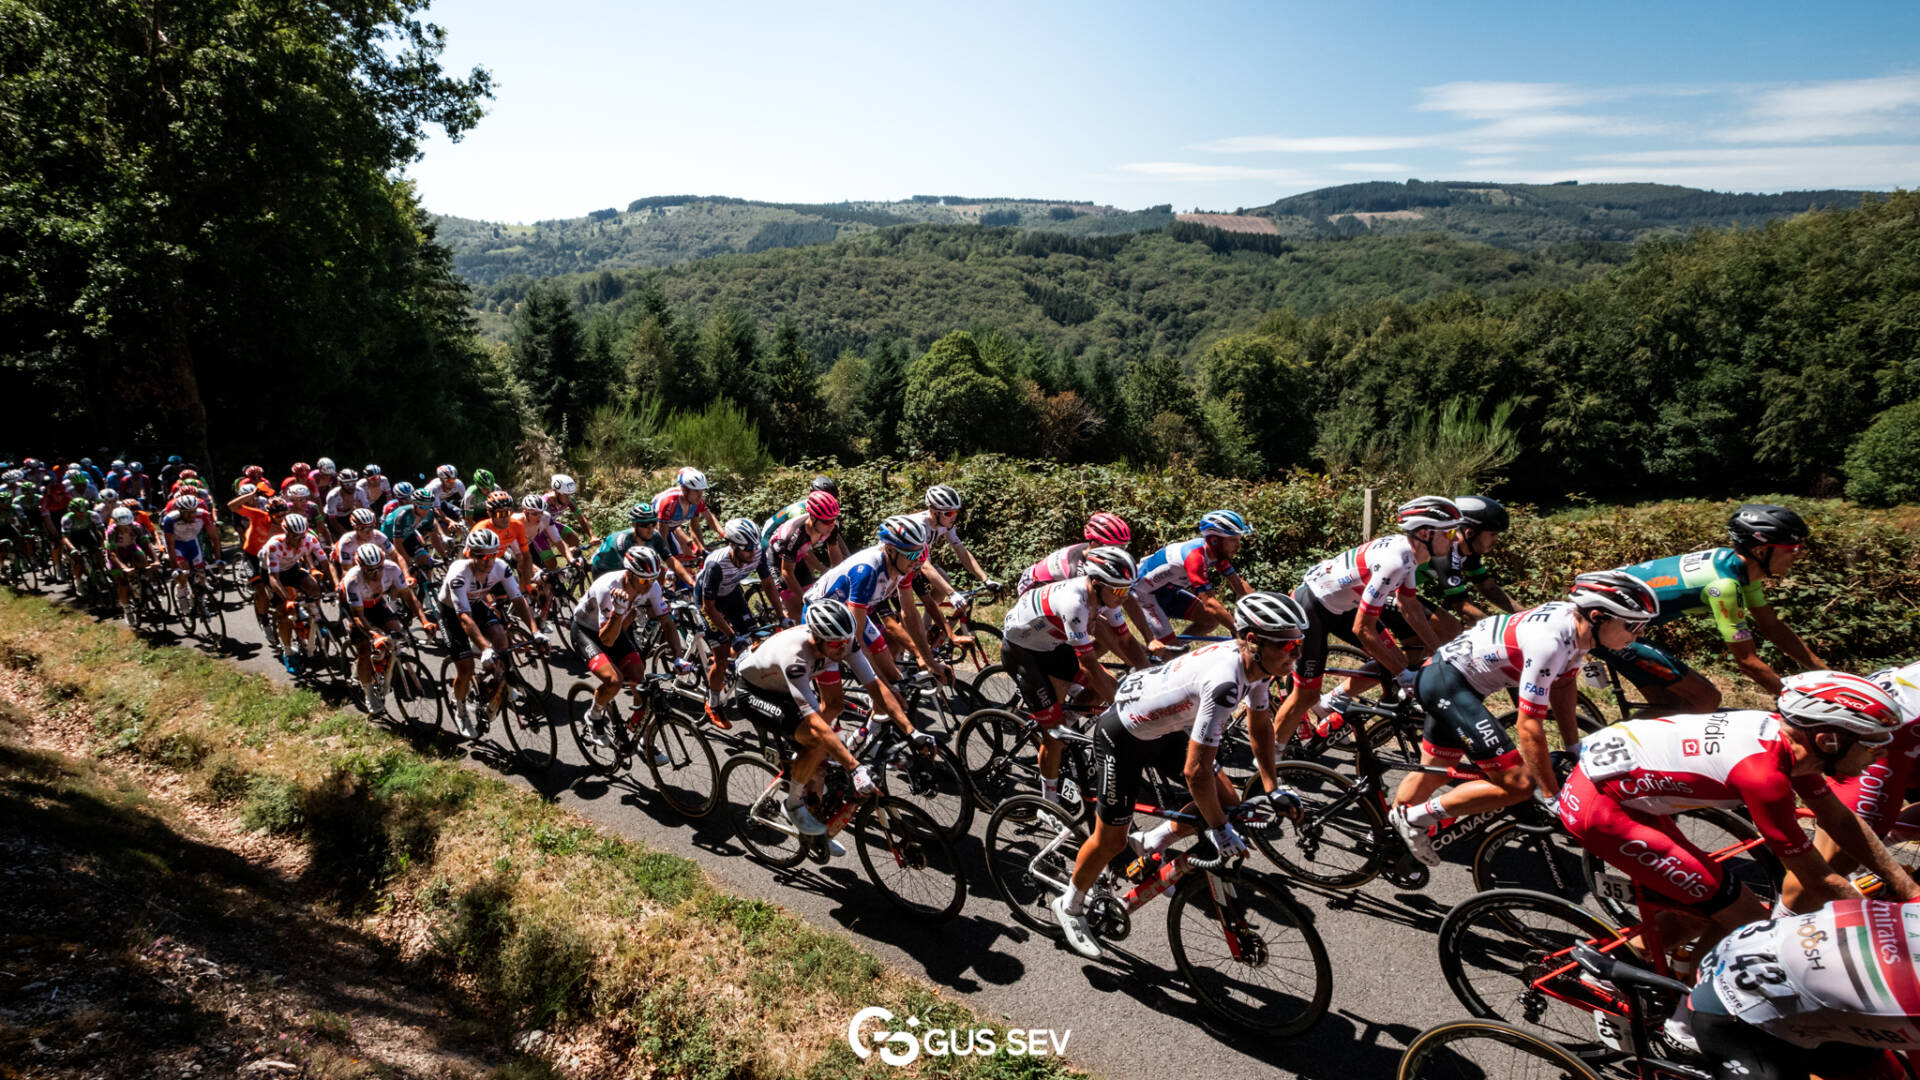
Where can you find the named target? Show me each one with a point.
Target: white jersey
(282, 552)
(365, 590)
(1843, 974)
(1528, 650)
(1196, 693)
(464, 580)
(1366, 576)
(1058, 614)
(939, 534)
(601, 605)
(791, 661)
(446, 493)
(345, 548)
(338, 503)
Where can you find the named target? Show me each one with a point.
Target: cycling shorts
(1311, 666)
(378, 615)
(295, 578)
(1034, 671)
(256, 570)
(1644, 665)
(774, 709)
(132, 556)
(456, 633)
(733, 605)
(1649, 848)
(603, 660)
(187, 552)
(1120, 760)
(1458, 722)
(1162, 606)
(414, 545)
(1739, 1049)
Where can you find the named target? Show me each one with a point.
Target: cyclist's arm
(1767, 623)
(1746, 656)
(1119, 640)
(884, 698)
(771, 590)
(1852, 836)
(967, 560)
(790, 581)
(1260, 733)
(917, 632)
(413, 602)
(1201, 784)
(1495, 594)
(1374, 643)
(1414, 611)
(1237, 583)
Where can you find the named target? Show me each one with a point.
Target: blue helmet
(904, 532)
(1224, 523)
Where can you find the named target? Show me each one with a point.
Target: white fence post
(1366, 517)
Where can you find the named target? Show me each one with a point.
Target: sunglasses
(1291, 644)
(1875, 742)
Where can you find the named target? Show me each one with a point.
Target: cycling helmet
(1429, 512)
(251, 472)
(642, 513)
(347, 476)
(1269, 615)
(1616, 593)
(122, 516)
(295, 524)
(299, 491)
(499, 500)
(1111, 566)
(325, 464)
(136, 466)
(904, 533)
(1763, 523)
(742, 533)
(826, 484)
(109, 495)
(185, 475)
(422, 497)
(692, 479)
(1109, 529)
(829, 620)
(447, 472)
(563, 484)
(1224, 523)
(403, 491)
(276, 505)
(533, 504)
(116, 463)
(369, 556)
(822, 506)
(1482, 513)
(483, 479)
(942, 497)
(187, 504)
(641, 559)
(362, 518)
(174, 459)
(372, 470)
(1836, 699)
(483, 541)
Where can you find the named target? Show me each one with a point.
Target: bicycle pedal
(1408, 873)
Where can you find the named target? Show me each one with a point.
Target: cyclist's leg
(603, 667)
(1120, 758)
(1308, 670)
(1661, 677)
(1037, 676)
(1454, 708)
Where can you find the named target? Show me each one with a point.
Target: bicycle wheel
(1516, 855)
(1339, 839)
(995, 688)
(984, 651)
(1249, 952)
(530, 727)
(604, 760)
(449, 674)
(1031, 846)
(1483, 1050)
(1497, 950)
(908, 858)
(933, 782)
(531, 664)
(754, 791)
(415, 698)
(681, 760)
(214, 620)
(1713, 831)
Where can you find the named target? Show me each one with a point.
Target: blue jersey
(404, 522)
(861, 581)
(1712, 582)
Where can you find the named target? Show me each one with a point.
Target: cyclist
(135, 483)
(1172, 718)
(942, 519)
(600, 625)
(1102, 530)
(342, 500)
(414, 528)
(798, 507)
(263, 515)
(1635, 775)
(301, 473)
(724, 603)
(471, 626)
(1451, 582)
(550, 544)
(367, 588)
(643, 530)
(1877, 792)
(793, 547)
(363, 530)
(1176, 582)
(473, 503)
(1345, 595)
(80, 536)
(183, 528)
(292, 560)
(794, 679)
(1049, 647)
(448, 495)
(870, 576)
(1726, 583)
(683, 510)
(1833, 992)
(1537, 653)
(129, 551)
(559, 503)
(373, 487)
(511, 534)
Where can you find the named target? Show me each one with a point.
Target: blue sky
(1202, 105)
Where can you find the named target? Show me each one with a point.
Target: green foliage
(551, 359)
(959, 399)
(273, 805)
(1454, 450)
(1883, 465)
(545, 971)
(790, 412)
(882, 395)
(720, 438)
(622, 436)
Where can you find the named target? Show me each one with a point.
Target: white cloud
(1191, 172)
(1778, 168)
(1492, 100)
(1830, 110)
(1325, 144)
(1392, 167)
(1488, 162)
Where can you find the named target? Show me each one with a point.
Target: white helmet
(692, 479)
(1616, 593)
(369, 556)
(1836, 699)
(1111, 566)
(187, 504)
(295, 524)
(1269, 615)
(563, 484)
(641, 559)
(299, 491)
(742, 533)
(447, 472)
(1429, 512)
(942, 497)
(362, 519)
(325, 464)
(122, 516)
(829, 620)
(905, 532)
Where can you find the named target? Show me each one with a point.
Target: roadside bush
(470, 939)
(720, 439)
(1883, 464)
(222, 779)
(544, 971)
(273, 805)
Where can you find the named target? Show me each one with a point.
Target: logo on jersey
(1690, 747)
(1663, 581)
(1227, 696)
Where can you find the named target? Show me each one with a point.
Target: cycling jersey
(791, 541)
(675, 508)
(721, 576)
(1059, 566)
(1713, 581)
(183, 528)
(542, 536)
(1878, 792)
(125, 538)
(513, 536)
(861, 580)
(939, 534)
(80, 525)
(781, 517)
(1196, 693)
(260, 528)
(446, 493)
(612, 552)
(345, 548)
(1452, 575)
(599, 606)
(340, 504)
(791, 661)
(464, 580)
(474, 503)
(372, 490)
(558, 504)
(1055, 615)
(1529, 650)
(363, 590)
(403, 522)
(1365, 576)
(281, 554)
(1842, 974)
(1183, 564)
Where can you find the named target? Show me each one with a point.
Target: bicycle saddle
(1622, 973)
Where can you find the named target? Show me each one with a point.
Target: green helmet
(643, 513)
(483, 479)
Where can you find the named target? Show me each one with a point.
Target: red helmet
(1108, 529)
(254, 472)
(822, 506)
(301, 468)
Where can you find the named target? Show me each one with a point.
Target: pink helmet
(822, 506)
(1108, 529)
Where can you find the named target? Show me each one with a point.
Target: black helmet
(1482, 513)
(1764, 523)
(826, 484)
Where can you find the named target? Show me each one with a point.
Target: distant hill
(1529, 216)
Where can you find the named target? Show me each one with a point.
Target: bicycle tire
(748, 783)
(529, 725)
(985, 650)
(1506, 939)
(690, 780)
(532, 664)
(1284, 932)
(993, 687)
(215, 621)
(449, 675)
(1515, 856)
(998, 753)
(1436, 1054)
(1340, 840)
(909, 859)
(936, 784)
(603, 760)
(415, 698)
(1031, 845)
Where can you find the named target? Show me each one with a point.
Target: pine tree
(882, 397)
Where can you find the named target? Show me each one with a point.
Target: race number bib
(1608, 753)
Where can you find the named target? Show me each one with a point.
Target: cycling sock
(1049, 787)
(1076, 900)
(796, 798)
(1426, 813)
(1158, 837)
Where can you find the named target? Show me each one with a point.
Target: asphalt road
(1129, 1015)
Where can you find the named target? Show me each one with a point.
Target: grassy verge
(631, 960)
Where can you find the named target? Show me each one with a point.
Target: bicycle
(194, 604)
(679, 757)
(398, 672)
(903, 851)
(1481, 1049)
(1000, 753)
(976, 644)
(929, 778)
(1273, 975)
(314, 639)
(517, 687)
